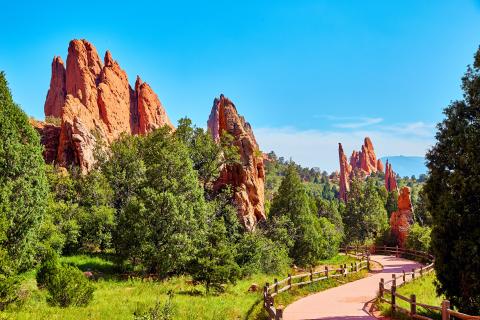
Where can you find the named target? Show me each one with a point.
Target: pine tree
(453, 192)
(23, 189)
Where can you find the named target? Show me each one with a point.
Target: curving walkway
(349, 301)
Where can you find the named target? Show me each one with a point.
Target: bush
(257, 253)
(161, 311)
(68, 286)
(419, 238)
(48, 268)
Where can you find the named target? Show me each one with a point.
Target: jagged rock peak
(91, 97)
(247, 177)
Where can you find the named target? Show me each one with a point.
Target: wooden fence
(444, 308)
(270, 291)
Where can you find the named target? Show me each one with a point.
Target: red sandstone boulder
(402, 219)
(380, 167)
(94, 101)
(247, 177)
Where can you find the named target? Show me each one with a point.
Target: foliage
(421, 214)
(23, 190)
(392, 202)
(161, 311)
(365, 216)
(48, 268)
(258, 254)
(68, 286)
(214, 265)
(330, 209)
(208, 157)
(313, 238)
(160, 207)
(453, 189)
(419, 238)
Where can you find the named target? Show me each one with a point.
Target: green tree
(418, 238)
(453, 189)
(329, 209)
(312, 237)
(392, 202)
(207, 156)
(23, 191)
(161, 215)
(365, 217)
(214, 264)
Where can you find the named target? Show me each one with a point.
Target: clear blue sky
(305, 74)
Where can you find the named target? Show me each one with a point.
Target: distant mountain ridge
(407, 165)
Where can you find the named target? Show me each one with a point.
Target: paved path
(348, 301)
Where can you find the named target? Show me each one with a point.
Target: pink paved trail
(348, 301)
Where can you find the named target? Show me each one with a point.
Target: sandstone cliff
(248, 177)
(94, 100)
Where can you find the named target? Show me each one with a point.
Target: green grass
(116, 299)
(424, 289)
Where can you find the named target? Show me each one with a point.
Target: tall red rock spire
(94, 101)
(345, 172)
(402, 219)
(247, 177)
(390, 178)
(56, 94)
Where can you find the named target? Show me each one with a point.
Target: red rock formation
(57, 92)
(247, 177)
(380, 166)
(49, 134)
(95, 101)
(362, 163)
(345, 173)
(390, 178)
(401, 220)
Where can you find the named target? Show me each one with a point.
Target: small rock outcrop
(402, 219)
(361, 164)
(94, 101)
(247, 177)
(390, 178)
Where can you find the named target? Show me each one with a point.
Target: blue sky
(305, 74)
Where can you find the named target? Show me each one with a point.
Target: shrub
(68, 286)
(419, 238)
(48, 268)
(257, 253)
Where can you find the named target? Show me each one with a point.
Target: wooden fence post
(421, 271)
(445, 307)
(289, 280)
(381, 286)
(351, 267)
(396, 253)
(403, 275)
(276, 285)
(368, 262)
(384, 249)
(326, 271)
(265, 294)
(311, 274)
(394, 291)
(413, 274)
(413, 305)
(279, 313)
(345, 270)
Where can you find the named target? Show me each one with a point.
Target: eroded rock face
(361, 164)
(345, 172)
(401, 220)
(95, 101)
(49, 134)
(248, 177)
(390, 178)
(57, 92)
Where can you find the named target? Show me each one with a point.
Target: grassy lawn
(424, 289)
(116, 299)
